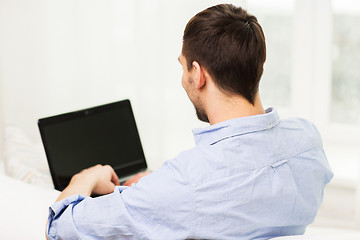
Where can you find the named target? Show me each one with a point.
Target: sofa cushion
(324, 234)
(25, 160)
(24, 209)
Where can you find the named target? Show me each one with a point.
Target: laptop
(105, 134)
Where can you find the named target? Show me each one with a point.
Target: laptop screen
(101, 135)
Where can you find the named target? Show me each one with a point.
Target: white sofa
(23, 209)
(314, 233)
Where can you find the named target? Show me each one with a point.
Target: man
(250, 176)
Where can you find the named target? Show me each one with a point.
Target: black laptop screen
(103, 135)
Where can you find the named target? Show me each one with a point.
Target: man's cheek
(183, 83)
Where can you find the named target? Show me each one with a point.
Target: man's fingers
(114, 176)
(115, 179)
(135, 178)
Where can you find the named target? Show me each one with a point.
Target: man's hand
(99, 180)
(136, 178)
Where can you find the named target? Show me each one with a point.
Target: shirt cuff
(121, 188)
(57, 209)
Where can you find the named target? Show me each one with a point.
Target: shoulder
(302, 131)
(307, 144)
(297, 124)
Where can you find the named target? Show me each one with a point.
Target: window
(312, 71)
(345, 95)
(276, 18)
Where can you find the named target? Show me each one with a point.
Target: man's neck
(228, 107)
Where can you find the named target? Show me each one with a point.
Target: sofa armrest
(24, 209)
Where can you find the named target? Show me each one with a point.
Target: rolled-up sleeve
(79, 217)
(148, 210)
(64, 210)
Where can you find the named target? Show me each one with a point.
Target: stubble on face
(199, 109)
(201, 115)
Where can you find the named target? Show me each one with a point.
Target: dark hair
(230, 44)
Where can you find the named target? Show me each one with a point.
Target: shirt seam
(268, 164)
(238, 134)
(291, 156)
(294, 155)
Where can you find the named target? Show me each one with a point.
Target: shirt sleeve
(158, 205)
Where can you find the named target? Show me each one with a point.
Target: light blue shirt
(255, 177)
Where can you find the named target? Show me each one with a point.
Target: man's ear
(199, 75)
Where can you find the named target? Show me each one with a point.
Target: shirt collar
(236, 126)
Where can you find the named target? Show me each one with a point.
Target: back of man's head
(230, 44)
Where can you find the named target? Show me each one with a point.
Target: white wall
(59, 56)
